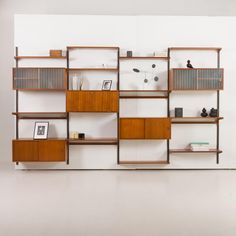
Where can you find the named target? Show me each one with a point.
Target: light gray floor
(145, 203)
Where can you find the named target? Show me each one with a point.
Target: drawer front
(24, 151)
(52, 150)
(157, 128)
(92, 101)
(132, 128)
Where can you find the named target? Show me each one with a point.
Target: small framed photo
(106, 84)
(41, 130)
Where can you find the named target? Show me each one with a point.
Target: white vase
(74, 82)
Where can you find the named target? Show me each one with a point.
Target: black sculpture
(189, 65)
(213, 112)
(204, 113)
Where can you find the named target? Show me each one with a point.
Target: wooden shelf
(144, 58)
(143, 162)
(93, 141)
(187, 150)
(39, 57)
(40, 115)
(196, 48)
(94, 69)
(48, 139)
(94, 47)
(148, 91)
(40, 89)
(140, 94)
(144, 97)
(195, 120)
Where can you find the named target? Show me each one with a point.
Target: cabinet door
(157, 128)
(52, 150)
(92, 101)
(24, 150)
(132, 128)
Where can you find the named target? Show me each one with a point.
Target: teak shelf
(195, 120)
(93, 141)
(144, 162)
(39, 57)
(40, 115)
(94, 69)
(186, 150)
(145, 58)
(100, 101)
(94, 47)
(195, 49)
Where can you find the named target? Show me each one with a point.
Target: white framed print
(106, 84)
(41, 130)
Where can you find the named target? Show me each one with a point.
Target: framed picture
(106, 84)
(41, 130)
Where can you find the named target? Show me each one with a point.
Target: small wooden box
(55, 53)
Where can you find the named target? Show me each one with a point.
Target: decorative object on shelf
(199, 146)
(178, 112)
(213, 112)
(55, 53)
(41, 130)
(81, 135)
(129, 53)
(106, 84)
(81, 82)
(189, 65)
(74, 135)
(155, 78)
(75, 82)
(204, 113)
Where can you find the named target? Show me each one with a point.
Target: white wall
(143, 34)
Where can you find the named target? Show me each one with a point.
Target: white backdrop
(36, 34)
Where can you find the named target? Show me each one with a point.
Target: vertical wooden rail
(68, 114)
(17, 100)
(168, 101)
(118, 112)
(218, 109)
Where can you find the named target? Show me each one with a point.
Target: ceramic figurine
(213, 112)
(189, 65)
(204, 113)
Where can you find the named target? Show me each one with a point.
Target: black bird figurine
(189, 65)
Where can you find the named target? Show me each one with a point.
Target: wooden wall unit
(145, 128)
(92, 101)
(39, 150)
(128, 128)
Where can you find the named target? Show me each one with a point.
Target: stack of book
(199, 146)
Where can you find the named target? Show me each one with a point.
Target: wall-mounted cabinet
(39, 150)
(196, 79)
(145, 128)
(92, 101)
(39, 78)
